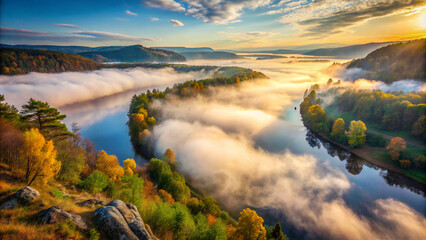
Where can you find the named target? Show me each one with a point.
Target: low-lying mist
(214, 139)
(60, 89)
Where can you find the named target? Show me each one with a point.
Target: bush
(375, 140)
(96, 182)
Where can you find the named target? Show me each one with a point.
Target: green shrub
(375, 140)
(95, 182)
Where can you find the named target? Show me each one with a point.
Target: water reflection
(354, 164)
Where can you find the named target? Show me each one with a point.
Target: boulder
(121, 221)
(21, 197)
(55, 214)
(92, 203)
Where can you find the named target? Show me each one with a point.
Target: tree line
(15, 61)
(393, 110)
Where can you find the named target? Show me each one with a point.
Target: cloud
(67, 25)
(176, 23)
(131, 13)
(27, 36)
(330, 17)
(107, 36)
(221, 11)
(165, 4)
(153, 19)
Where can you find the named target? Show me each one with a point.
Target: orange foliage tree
(395, 147)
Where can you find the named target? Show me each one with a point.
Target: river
(248, 148)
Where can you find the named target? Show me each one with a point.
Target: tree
(129, 166)
(71, 157)
(7, 111)
(338, 131)
(419, 127)
(356, 133)
(250, 226)
(40, 156)
(132, 189)
(277, 233)
(169, 155)
(95, 182)
(47, 119)
(11, 143)
(109, 165)
(316, 116)
(395, 147)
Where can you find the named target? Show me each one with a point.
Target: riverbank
(366, 153)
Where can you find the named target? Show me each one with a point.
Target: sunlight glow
(423, 20)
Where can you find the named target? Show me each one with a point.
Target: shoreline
(362, 153)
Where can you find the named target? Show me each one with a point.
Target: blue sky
(215, 23)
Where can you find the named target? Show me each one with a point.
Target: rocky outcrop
(23, 196)
(122, 221)
(92, 203)
(55, 214)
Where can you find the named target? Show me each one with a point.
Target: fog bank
(69, 87)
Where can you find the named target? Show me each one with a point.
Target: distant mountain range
(395, 62)
(138, 53)
(134, 53)
(186, 49)
(353, 51)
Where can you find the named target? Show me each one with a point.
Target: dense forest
(384, 112)
(395, 62)
(21, 61)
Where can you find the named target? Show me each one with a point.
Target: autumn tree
(11, 143)
(169, 155)
(395, 147)
(167, 197)
(356, 133)
(47, 119)
(250, 226)
(338, 131)
(109, 165)
(40, 156)
(129, 166)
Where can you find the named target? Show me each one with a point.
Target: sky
(221, 24)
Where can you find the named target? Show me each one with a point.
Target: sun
(423, 20)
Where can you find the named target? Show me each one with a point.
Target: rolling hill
(395, 62)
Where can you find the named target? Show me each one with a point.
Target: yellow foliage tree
(250, 226)
(40, 156)
(129, 166)
(139, 119)
(109, 165)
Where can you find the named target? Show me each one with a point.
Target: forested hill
(395, 62)
(15, 61)
(135, 53)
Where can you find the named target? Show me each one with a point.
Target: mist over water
(244, 145)
(223, 144)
